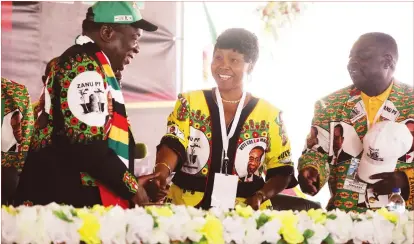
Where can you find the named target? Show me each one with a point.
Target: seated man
(82, 152)
(374, 96)
(16, 131)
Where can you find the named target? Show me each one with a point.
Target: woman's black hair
(240, 40)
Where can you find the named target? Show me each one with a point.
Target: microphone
(140, 151)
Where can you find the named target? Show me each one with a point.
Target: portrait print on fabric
(250, 157)
(408, 157)
(255, 160)
(317, 140)
(345, 143)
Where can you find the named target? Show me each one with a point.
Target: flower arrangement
(276, 15)
(179, 224)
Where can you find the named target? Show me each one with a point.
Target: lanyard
(379, 112)
(224, 136)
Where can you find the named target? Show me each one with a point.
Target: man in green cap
(82, 153)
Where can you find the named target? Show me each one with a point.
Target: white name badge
(351, 181)
(357, 112)
(355, 186)
(224, 191)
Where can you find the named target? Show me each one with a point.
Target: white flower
(233, 229)
(195, 212)
(306, 223)
(398, 236)
(192, 228)
(9, 232)
(410, 215)
(56, 224)
(382, 229)
(158, 236)
(270, 231)
(180, 210)
(218, 212)
(173, 226)
(250, 223)
(27, 226)
(320, 233)
(60, 230)
(140, 225)
(113, 225)
(408, 230)
(341, 227)
(363, 232)
(253, 236)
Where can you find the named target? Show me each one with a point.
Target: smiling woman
(234, 57)
(220, 141)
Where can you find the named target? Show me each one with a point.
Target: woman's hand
(141, 197)
(157, 188)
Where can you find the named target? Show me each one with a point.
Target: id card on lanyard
(225, 185)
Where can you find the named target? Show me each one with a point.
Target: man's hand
(308, 180)
(311, 142)
(388, 181)
(255, 201)
(141, 197)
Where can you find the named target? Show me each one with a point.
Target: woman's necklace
(228, 101)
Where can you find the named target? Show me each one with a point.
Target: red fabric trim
(120, 121)
(6, 16)
(101, 58)
(108, 198)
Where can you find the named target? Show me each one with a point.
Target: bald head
(372, 62)
(384, 41)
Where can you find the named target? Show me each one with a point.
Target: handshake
(152, 188)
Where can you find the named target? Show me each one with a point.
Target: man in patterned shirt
(83, 149)
(16, 129)
(374, 96)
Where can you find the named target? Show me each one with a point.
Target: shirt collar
(382, 97)
(82, 39)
